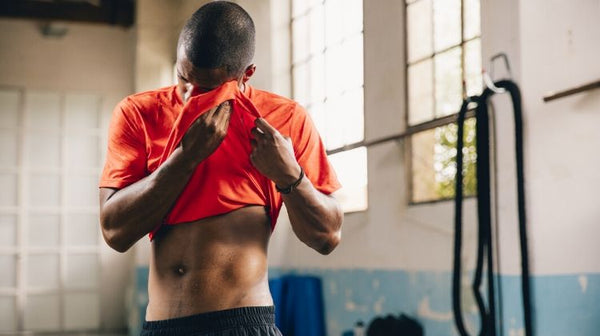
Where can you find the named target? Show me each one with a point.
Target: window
(49, 232)
(327, 72)
(443, 52)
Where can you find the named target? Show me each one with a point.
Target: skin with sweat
(219, 262)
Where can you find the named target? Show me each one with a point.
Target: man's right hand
(206, 133)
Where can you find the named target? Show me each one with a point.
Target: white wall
(90, 59)
(560, 48)
(390, 234)
(552, 45)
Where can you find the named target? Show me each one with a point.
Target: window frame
(435, 122)
(306, 60)
(22, 291)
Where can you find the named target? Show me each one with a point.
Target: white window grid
(23, 289)
(469, 86)
(322, 84)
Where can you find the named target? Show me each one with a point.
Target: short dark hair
(219, 34)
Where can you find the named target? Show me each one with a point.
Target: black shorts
(246, 321)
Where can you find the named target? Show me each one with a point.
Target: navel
(180, 270)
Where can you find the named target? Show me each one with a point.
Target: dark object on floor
(395, 326)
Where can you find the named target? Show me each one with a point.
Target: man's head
(215, 45)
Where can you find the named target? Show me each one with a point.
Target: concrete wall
(396, 257)
(89, 59)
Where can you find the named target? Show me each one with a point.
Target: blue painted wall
(563, 304)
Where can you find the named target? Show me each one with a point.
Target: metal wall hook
(488, 79)
(506, 64)
(489, 83)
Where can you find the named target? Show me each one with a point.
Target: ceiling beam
(113, 12)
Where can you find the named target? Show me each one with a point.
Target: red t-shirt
(146, 127)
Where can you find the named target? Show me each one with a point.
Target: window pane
(446, 159)
(352, 63)
(82, 151)
(42, 312)
(43, 110)
(82, 271)
(82, 191)
(333, 115)
(317, 114)
(423, 174)
(300, 74)
(8, 230)
(434, 162)
(8, 196)
(8, 265)
(82, 111)
(44, 190)
(43, 230)
(8, 314)
(448, 82)
(300, 39)
(9, 108)
(472, 19)
(301, 6)
(42, 149)
(352, 121)
(419, 26)
(351, 169)
(473, 67)
(8, 148)
(316, 24)
(82, 229)
(82, 311)
(447, 24)
(353, 16)
(420, 92)
(317, 79)
(329, 82)
(334, 25)
(42, 271)
(334, 71)
(344, 118)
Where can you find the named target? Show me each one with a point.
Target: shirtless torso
(213, 264)
(218, 262)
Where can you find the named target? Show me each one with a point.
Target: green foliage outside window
(445, 160)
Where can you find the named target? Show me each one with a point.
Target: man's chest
(159, 125)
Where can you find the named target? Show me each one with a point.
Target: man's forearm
(130, 213)
(316, 218)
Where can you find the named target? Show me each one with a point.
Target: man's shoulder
(149, 100)
(269, 101)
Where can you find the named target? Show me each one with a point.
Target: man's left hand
(273, 154)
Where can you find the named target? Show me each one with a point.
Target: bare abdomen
(213, 264)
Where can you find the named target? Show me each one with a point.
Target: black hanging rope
(484, 212)
(456, 276)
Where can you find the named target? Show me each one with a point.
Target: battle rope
(484, 246)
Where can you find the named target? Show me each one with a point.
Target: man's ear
(248, 73)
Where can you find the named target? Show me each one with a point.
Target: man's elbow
(114, 239)
(329, 242)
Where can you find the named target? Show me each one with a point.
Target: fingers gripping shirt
(146, 128)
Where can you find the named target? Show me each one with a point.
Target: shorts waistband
(263, 315)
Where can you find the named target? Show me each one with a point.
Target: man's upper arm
(311, 154)
(126, 151)
(105, 195)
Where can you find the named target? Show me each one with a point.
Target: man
(209, 199)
